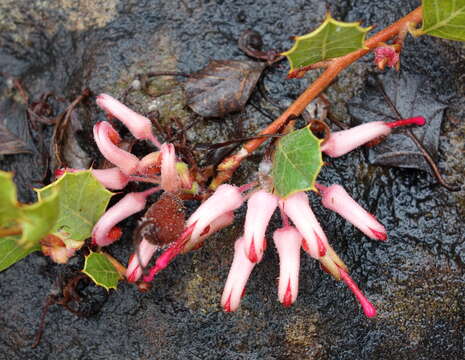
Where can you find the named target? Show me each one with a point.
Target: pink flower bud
(260, 208)
(144, 252)
(103, 135)
(138, 125)
(112, 178)
(169, 176)
(298, 209)
(288, 241)
(225, 199)
(338, 200)
(219, 223)
(367, 306)
(387, 55)
(341, 142)
(237, 279)
(127, 206)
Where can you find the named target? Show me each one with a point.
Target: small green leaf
(34, 221)
(297, 162)
(38, 219)
(11, 252)
(82, 201)
(8, 202)
(444, 19)
(101, 270)
(330, 40)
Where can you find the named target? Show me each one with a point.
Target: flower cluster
(300, 229)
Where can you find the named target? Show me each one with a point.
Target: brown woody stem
(230, 164)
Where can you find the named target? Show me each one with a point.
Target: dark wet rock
(415, 279)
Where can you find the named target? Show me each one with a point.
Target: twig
(230, 164)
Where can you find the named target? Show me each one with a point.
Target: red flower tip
(287, 300)
(227, 305)
(417, 120)
(115, 233)
(321, 246)
(133, 276)
(252, 255)
(378, 234)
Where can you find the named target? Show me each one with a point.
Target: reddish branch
(334, 67)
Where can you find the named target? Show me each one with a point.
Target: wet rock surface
(415, 279)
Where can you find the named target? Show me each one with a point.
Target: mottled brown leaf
(11, 144)
(412, 96)
(222, 87)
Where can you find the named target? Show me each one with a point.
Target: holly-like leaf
(297, 162)
(100, 269)
(82, 201)
(222, 87)
(444, 19)
(330, 40)
(11, 252)
(33, 221)
(412, 97)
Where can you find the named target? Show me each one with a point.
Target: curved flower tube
(127, 206)
(112, 178)
(138, 125)
(342, 142)
(216, 225)
(105, 136)
(336, 198)
(288, 241)
(260, 207)
(298, 209)
(225, 199)
(237, 278)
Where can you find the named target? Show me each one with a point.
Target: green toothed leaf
(82, 201)
(297, 162)
(444, 19)
(101, 270)
(11, 252)
(330, 40)
(32, 221)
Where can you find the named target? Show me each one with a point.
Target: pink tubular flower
(127, 206)
(341, 142)
(338, 200)
(112, 178)
(237, 279)
(105, 137)
(169, 176)
(298, 209)
(260, 208)
(225, 199)
(145, 251)
(138, 125)
(216, 225)
(288, 241)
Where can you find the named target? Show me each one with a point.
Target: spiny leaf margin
(297, 161)
(330, 31)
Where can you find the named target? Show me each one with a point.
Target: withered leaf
(11, 144)
(222, 87)
(411, 95)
